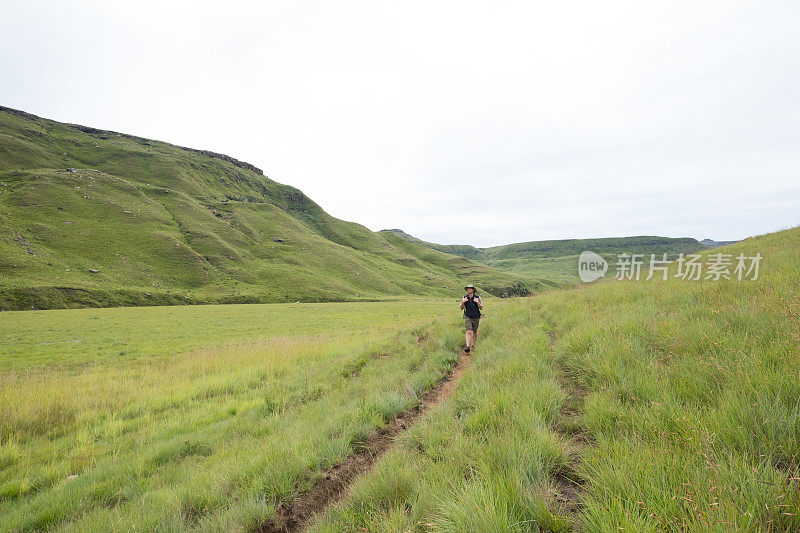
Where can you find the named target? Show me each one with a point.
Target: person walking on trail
(472, 305)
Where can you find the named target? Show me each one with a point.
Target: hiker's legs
(472, 331)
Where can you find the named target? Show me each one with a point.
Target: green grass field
(208, 414)
(674, 405)
(671, 405)
(53, 338)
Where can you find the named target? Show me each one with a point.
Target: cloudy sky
(459, 122)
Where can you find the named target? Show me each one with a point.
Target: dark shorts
(471, 323)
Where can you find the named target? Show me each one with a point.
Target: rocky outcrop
(229, 159)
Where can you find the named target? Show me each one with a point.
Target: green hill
(91, 217)
(555, 261)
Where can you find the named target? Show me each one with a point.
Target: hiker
(472, 305)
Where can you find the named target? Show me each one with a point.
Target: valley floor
(646, 406)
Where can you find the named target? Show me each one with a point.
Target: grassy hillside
(555, 262)
(97, 218)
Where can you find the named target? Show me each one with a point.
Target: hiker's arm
(479, 302)
(463, 301)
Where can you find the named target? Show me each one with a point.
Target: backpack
(471, 307)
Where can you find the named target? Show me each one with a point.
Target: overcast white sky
(459, 122)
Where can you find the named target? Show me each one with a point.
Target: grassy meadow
(53, 338)
(674, 404)
(664, 405)
(201, 416)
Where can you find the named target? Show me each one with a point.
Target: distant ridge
(555, 261)
(101, 133)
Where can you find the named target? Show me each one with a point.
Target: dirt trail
(337, 479)
(568, 483)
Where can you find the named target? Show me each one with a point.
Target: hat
(470, 286)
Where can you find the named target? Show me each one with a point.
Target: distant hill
(556, 261)
(90, 217)
(716, 244)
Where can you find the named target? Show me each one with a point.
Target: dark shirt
(471, 307)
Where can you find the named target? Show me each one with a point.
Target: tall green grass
(688, 416)
(673, 403)
(482, 461)
(213, 438)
